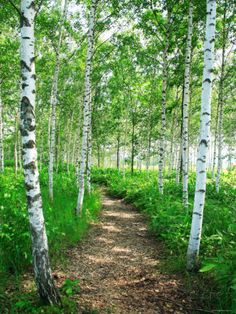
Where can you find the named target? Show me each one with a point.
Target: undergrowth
(171, 222)
(62, 225)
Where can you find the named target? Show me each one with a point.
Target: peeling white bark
(87, 100)
(53, 102)
(200, 191)
(185, 156)
(42, 271)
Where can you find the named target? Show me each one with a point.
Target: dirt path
(118, 267)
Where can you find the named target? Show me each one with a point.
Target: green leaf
(207, 267)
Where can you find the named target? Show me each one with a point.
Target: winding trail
(118, 266)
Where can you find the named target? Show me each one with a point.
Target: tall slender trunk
(53, 103)
(148, 141)
(215, 140)
(73, 149)
(87, 95)
(125, 143)
(200, 191)
(42, 271)
(89, 143)
(221, 102)
(187, 74)
(163, 123)
(118, 152)
(132, 143)
(19, 152)
(178, 164)
(98, 155)
(18, 142)
(1, 136)
(15, 145)
(58, 145)
(41, 154)
(77, 159)
(172, 155)
(148, 150)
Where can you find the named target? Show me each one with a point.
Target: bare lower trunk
(200, 191)
(42, 271)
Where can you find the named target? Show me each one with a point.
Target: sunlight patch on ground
(105, 240)
(120, 215)
(99, 259)
(121, 250)
(111, 228)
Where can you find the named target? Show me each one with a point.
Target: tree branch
(15, 7)
(39, 7)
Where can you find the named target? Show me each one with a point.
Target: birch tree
(185, 156)
(221, 101)
(53, 102)
(200, 190)
(42, 271)
(163, 123)
(87, 100)
(89, 144)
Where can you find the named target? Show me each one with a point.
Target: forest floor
(120, 267)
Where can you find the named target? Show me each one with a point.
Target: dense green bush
(170, 221)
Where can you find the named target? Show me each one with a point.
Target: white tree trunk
(53, 103)
(87, 99)
(1, 137)
(200, 191)
(178, 164)
(15, 144)
(163, 124)
(42, 271)
(187, 74)
(221, 102)
(77, 166)
(89, 143)
(215, 142)
(19, 152)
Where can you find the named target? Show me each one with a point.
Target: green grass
(63, 227)
(171, 223)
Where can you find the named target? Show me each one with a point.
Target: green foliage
(30, 305)
(63, 227)
(70, 287)
(171, 222)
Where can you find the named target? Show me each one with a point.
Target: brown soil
(119, 267)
